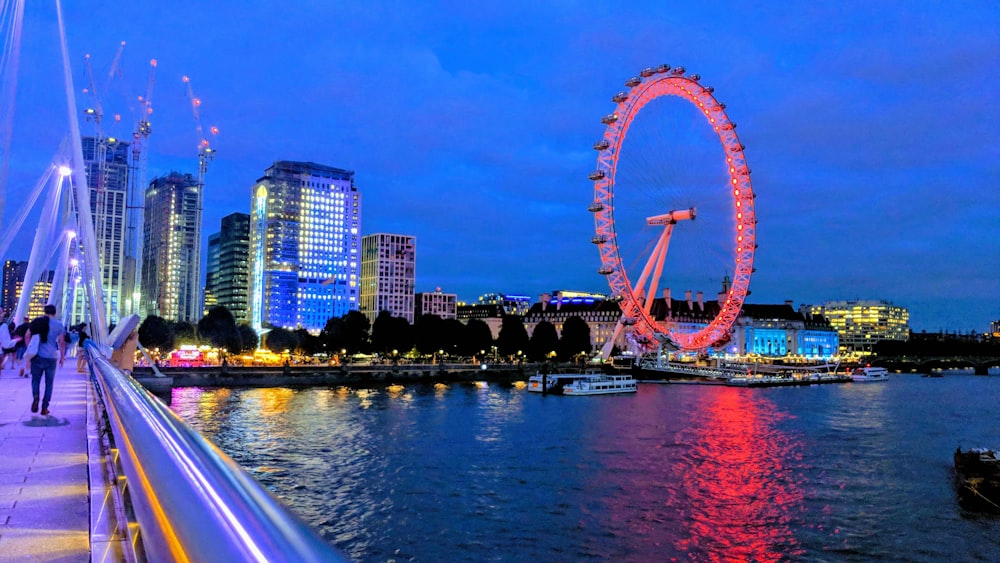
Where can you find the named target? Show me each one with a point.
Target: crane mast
(98, 178)
(205, 155)
(136, 197)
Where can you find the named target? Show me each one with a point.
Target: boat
(977, 475)
(869, 374)
(553, 382)
(601, 385)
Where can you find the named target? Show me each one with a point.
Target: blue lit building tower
(305, 224)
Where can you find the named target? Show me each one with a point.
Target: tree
(334, 335)
(575, 338)
(184, 333)
(513, 338)
(156, 332)
(391, 333)
(307, 343)
(357, 326)
(428, 334)
(219, 328)
(480, 338)
(544, 340)
(280, 339)
(453, 336)
(248, 338)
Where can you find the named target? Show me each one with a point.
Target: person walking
(51, 351)
(22, 344)
(81, 354)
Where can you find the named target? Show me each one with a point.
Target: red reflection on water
(737, 485)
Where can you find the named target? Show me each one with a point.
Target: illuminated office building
(13, 284)
(40, 295)
(107, 169)
(13, 279)
(388, 273)
(511, 304)
(861, 323)
(227, 280)
(170, 248)
(305, 222)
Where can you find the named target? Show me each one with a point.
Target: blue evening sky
(871, 127)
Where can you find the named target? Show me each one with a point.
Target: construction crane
(136, 197)
(102, 203)
(205, 155)
(205, 151)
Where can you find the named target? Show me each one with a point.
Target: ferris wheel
(637, 294)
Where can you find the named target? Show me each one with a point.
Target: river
(464, 472)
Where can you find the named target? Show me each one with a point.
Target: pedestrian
(81, 354)
(22, 344)
(8, 344)
(51, 352)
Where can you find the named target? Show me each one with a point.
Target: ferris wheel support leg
(610, 344)
(661, 256)
(655, 262)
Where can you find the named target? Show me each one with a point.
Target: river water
(839, 472)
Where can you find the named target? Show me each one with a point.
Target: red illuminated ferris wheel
(738, 231)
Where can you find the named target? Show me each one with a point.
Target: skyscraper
(227, 279)
(107, 177)
(13, 280)
(304, 243)
(212, 271)
(171, 235)
(388, 273)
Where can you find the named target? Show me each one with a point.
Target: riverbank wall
(320, 375)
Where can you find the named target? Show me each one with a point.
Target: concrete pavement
(44, 477)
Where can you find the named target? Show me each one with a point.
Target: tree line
(388, 336)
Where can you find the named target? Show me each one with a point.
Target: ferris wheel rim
(650, 85)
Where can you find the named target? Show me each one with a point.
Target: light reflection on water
(482, 472)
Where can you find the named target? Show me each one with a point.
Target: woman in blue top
(51, 351)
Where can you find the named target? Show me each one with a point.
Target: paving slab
(44, 483)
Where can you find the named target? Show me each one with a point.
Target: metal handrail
(191, 501)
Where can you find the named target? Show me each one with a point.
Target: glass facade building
(304, 246)
(171, 243)
(227, 279)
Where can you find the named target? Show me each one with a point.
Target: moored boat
(977, 475)
(554, 382)
(601, 385)
(869, 374)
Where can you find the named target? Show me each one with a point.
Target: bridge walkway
(44, 479)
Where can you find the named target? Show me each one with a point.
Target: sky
(870, 127)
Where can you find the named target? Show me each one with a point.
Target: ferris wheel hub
(672, 218)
